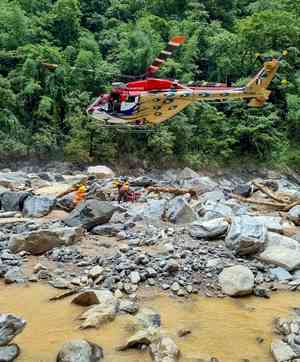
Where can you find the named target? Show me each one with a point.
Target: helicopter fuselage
(153, 101)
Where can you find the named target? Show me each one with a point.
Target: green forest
(94, 42)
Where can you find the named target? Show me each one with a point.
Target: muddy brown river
(223, 328)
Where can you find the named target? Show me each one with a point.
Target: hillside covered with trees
(42, 111)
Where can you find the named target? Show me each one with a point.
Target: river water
(224, 328)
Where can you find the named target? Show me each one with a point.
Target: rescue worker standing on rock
(80, 194)
(122, 184)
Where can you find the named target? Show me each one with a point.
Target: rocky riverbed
(187, 234)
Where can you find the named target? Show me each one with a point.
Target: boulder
(244, 190)
(148, 317)
(208, 229)
(80, 351)
(128, 306)
(15, 275)
(215, 196)
(246, 236)
(38, 206)
(294, 215)
(274, 239)
(143, 181)
(200, 184)
(282, 352)
(213, 210)
(39, 241)
(280, 274)
(273, 223)
(91, 213)
(98, 315)
(180, 212)
(10, 327)
(91, 297)
(107, 229)
(281, 256)
(187, 173)
(164, 349)
(152, 212)
(13, 201)
(9, 353)
(141, 338)
(100, 172)
(12, 180)
(236, 281)
(67, 202)
(60, 283)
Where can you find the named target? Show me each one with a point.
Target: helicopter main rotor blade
(174, 43)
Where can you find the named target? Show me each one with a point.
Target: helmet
(82, 188)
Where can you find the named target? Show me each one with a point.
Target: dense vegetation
(42, 112)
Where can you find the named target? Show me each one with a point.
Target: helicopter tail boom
(259, 84)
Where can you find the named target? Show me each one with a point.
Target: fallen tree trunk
(269, 193)
(172, 190)
(260, 202)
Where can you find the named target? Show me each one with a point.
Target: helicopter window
(131, 99)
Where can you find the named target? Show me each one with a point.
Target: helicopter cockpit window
(129, 104)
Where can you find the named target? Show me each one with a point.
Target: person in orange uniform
(80, 194)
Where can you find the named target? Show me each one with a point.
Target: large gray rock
(15, 275)
(147, 318)
(67, 202)
(13, 201)
(80, 351)
(273, 223)
(274, 239)
(142, 181)
(236, 281)
(214, 209)
(294, 214)
(215, 196)
(164, 349)
(10, 326)
(281, 274)
(187, 173)
(246, 236)
(100, 172)
(200, 184)
(152, 212)
(281, 256)
(209, 229)
(91, 213)
(39, 241)
(282, 352)
(180, 212)
(12, 180)
(9, 353)
(38, 206)
(107, 229)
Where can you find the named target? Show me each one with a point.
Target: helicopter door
(129, 105)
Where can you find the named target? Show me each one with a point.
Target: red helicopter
(151, 101)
